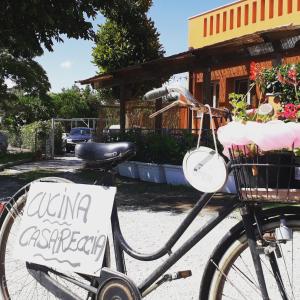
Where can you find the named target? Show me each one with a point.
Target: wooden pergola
(271, 44)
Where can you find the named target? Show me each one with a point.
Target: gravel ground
(149, 214)
(147, 231)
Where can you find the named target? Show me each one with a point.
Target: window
(241, 86)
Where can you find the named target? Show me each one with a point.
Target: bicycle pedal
(181, 274)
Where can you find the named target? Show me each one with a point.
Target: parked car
(3, 143)
(77, 135)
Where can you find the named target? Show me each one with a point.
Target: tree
(26, 73)
(119, 46)
(26, 109)
(76, 103)
(116, 47)
(28, 27)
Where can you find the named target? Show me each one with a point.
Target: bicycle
(255, 259)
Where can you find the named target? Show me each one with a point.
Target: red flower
(290, 111)
(292, 74)
(254, 71)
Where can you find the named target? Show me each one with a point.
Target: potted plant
(149, 159)
(260, 140)
(128, 169)
(175, 148)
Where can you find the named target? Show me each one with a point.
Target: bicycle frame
(249, 215)
(121, 246)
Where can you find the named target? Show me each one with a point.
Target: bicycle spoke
(230, 282)
(287, 272)
(230, 297)
(293, 263)
(250, 273)
(235, 276)
(246, 279)
(16, 280)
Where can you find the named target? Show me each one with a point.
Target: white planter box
(128, 169)
(151, 172)
(174, 175)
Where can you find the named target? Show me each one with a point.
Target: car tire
(68, 149)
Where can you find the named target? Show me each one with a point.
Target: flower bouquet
(263, 143)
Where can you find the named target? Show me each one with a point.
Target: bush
(14, 138)
(3, 142)
(37, 137)
(158, 148)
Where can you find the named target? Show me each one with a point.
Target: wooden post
(122, 108)
(52, 138)
(158, 119)
(207, 97)
(190, 113)
(278, 54)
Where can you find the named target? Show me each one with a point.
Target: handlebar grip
(156, 93)
(172, 97)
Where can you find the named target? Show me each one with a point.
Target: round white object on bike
(205, 169)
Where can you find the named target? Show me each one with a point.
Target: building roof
(260, 45)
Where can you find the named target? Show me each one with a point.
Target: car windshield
(81, 131)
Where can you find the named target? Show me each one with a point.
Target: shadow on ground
(131, 194)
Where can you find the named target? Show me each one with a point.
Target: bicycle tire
(13, 286)
(222, 268)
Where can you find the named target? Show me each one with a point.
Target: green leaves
(127, 38)
(75, 103)
(28, 27)
(239, 105)
(278, 80)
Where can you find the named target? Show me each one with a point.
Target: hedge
(36, 136)
(162, 148)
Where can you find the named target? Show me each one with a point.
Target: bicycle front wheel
(16, 281)
(230, 273)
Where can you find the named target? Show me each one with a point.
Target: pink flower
(292, 74)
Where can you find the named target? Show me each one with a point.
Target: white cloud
(66, 64)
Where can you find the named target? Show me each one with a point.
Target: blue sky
(71, 60)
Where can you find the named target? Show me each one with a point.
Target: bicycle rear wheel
(230, 273)
(16, 281)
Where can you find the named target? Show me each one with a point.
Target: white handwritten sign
(65, 226)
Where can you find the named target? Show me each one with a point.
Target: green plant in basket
(239, 106)
(242, 112)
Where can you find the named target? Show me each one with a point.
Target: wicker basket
(265, 177)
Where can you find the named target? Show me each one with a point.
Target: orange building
(222, 44)
(236, 20)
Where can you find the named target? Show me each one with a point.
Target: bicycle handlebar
(186, 99)
(172, 97)
(156, 93)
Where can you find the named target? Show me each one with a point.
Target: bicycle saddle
(104, 152)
